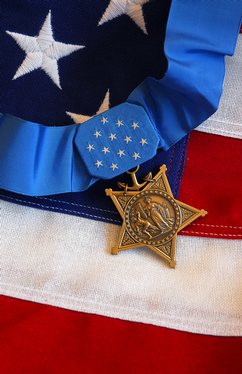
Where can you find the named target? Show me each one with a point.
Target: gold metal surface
(136, 185)
(151, 216)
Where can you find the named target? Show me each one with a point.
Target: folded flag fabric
(65, 261)
(212, 178)
(66, 341)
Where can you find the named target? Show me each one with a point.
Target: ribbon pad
(116, 141)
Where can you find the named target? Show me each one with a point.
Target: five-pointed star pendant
(151, 215)
(80, 118)
(42, 51)
(132, 8)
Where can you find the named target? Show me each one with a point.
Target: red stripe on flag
(212, 180)
(43, 339)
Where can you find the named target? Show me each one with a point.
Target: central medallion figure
(151, 216)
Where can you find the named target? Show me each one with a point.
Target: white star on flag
(135, 125)
(80, 118)
(90, 147)
(114, 166)
(127, 139)
(98, 163)
(121, 153)
(132, 8)
(136, 155)
(105, 150)
(143, 141)
(42, 51)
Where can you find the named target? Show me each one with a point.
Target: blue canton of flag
(66, 61)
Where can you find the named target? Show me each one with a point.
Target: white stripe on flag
(65, 261)
(227, 121)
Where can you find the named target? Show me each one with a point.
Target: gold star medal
(152, 217)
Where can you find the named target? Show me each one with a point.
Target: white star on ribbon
(143, 141)
(121, 152)
(119, 123)
(136, 155)
(98, 163)
(80, 118)
(112, 137)
(105, 150)
(135, 125)
(97, 134)
(132, 8)
(90, 147)
(114, 166)
(104, 120)
(128, 139)
(42, 51)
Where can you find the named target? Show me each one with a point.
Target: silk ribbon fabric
(94, 203)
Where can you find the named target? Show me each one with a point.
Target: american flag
(99, 52)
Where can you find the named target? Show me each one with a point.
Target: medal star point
(151, 216)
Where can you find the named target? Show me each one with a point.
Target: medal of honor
(152, 217)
